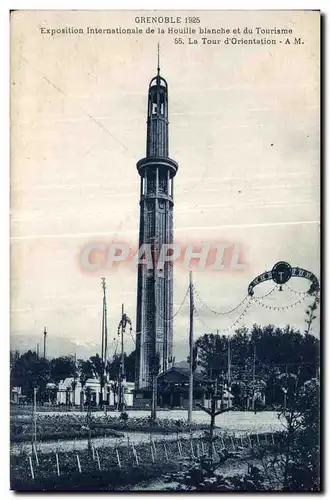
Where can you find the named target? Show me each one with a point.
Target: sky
(244, 129)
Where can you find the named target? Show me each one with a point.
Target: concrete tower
(155, 286)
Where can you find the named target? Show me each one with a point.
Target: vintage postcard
(165, 246)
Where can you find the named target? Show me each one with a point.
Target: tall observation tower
(155, 286)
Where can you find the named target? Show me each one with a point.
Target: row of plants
(91, 459)
(112, 479)
(70, 434)
(164, 456)
(145, 424)
(45, 465)
(59, 425)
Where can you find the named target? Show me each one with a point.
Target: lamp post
(191, 349)
(45, 336)
(122, 383)
(34, 418)
(285, 391)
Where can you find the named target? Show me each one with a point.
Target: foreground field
(68, 431)
(104, 468)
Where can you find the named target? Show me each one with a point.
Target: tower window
(154, 108)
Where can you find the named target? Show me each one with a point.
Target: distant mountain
(64, 346)
(55, 346)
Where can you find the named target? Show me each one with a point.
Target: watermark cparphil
(210, 256)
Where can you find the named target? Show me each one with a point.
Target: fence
(97, 458)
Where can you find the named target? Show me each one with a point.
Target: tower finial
(158, 68)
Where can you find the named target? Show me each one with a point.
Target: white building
(70, 392)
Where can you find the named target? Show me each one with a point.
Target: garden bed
(70, 434)
(111, 479)
(61, 426)
(112, 469)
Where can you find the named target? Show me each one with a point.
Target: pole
(105, 341)
(122, 343)
(286, 385)
(45, 335)
(102, 348)
(254, 375)
(105, 326)
(35, 415)
(191, 347)
(121, 375)
(122, 366)
(229, 363)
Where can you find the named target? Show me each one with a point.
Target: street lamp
(125, 320)
(285, 391)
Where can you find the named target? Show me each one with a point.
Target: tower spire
(158, 67)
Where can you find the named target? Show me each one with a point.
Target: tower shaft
(155, 283)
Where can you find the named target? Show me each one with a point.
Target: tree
(277, 349)
(29, 371)
(85, 370)
(310, 314)
(113, 366)
(301, 454)
(130, 366)
(73, 388)
(14, 356)
(99, 370)
(61, 368)
(216, 392)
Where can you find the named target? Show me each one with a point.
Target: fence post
(166, 455)
(203, 449)
(136, 456)
(154, 447)
(179, 448)
(118, 459)
(258, 441)
(78, 463)
(98, 459)
(232, 442)
(242, 442)
(31, 467)
(57, 464)
(250, 441)
(192, 449)
(152, 454)
(222, 442)
(273, 438)
(36, 455)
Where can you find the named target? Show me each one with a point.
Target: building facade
(155, 282)
(173, 391)
(75, 395)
